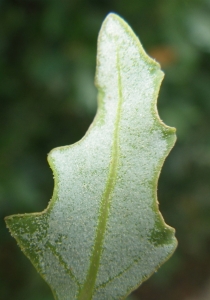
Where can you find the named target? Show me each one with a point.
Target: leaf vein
(63, 263)
(89, 284)
(103, 285)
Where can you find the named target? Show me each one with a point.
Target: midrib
(89, 284)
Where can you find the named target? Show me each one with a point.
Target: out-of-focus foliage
(47, 66)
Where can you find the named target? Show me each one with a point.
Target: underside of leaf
(102, 234)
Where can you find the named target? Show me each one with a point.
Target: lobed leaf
(102, 234)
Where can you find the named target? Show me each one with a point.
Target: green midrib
(87, 290)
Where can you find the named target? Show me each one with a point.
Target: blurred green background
(48, 99)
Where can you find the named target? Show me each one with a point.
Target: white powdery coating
(83, 169)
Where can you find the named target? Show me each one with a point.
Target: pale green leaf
(102, 233)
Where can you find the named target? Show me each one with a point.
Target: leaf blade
(106, 184)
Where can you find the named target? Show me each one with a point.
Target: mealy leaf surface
(102, 233)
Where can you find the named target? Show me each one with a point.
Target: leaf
(102, 233)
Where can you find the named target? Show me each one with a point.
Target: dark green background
(47, 66)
